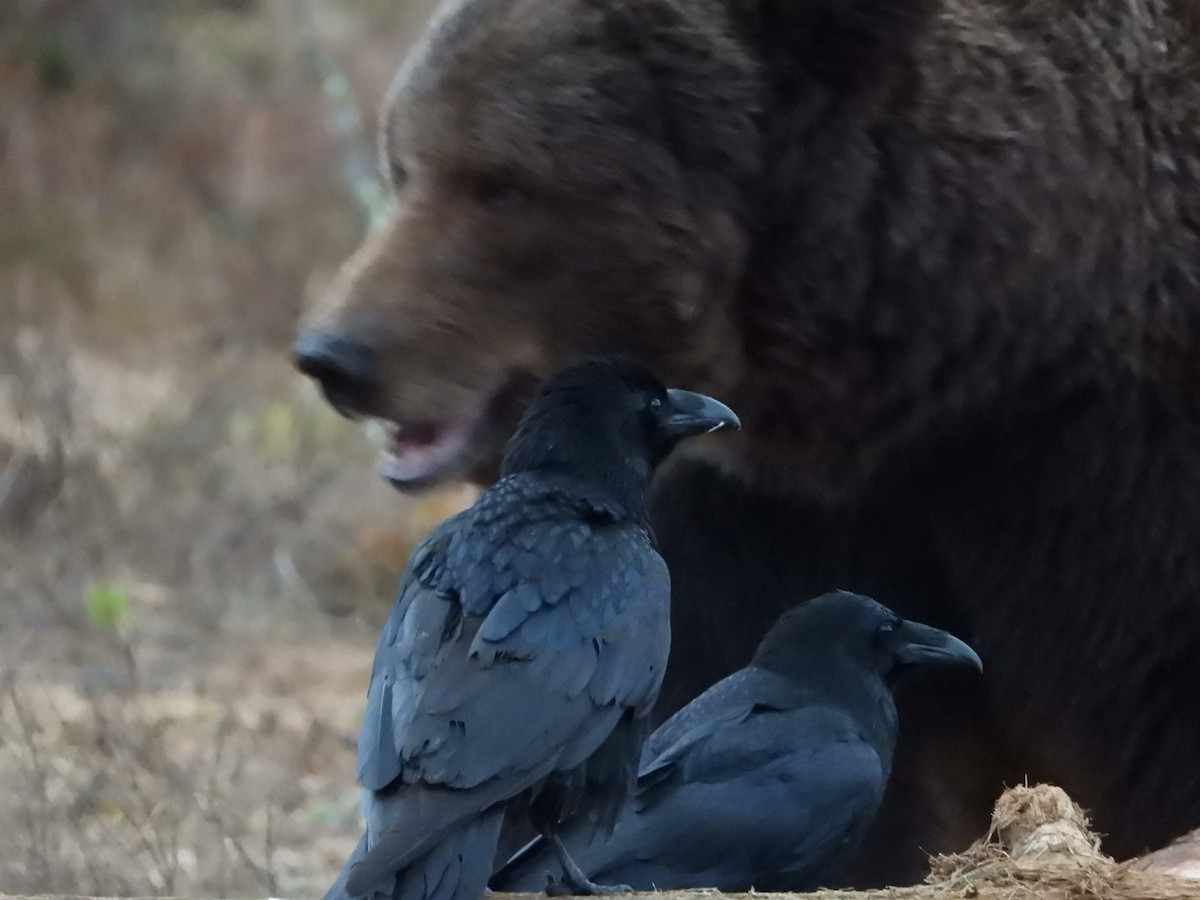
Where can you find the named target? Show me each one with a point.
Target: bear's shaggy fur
(943, 258)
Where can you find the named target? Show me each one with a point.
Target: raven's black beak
(920, 645)
(687, 413)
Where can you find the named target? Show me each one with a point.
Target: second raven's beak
(920, 645)
(686, 413)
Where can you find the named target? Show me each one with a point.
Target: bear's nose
(344, 368)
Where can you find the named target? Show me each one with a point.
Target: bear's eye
(497, 191)
(399, 175)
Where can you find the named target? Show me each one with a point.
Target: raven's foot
(573, 881)
(570, 887)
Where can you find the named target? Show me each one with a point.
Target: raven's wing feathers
(378, 763)
(755, 741)
(757, 806)
(725, 705)
(821, 780)
(514, 648)
(719, 833)
(749, 761)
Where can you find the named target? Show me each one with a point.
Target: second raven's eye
(887, 627)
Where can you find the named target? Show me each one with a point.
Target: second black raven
(527, 643)
(770, 778)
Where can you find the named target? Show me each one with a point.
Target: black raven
(527, 643)
(770, 778)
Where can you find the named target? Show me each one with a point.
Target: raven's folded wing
(472, 702)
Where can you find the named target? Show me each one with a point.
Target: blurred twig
(358, 168)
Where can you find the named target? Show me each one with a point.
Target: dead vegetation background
(195, 552)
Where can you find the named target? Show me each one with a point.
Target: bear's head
(571, 178)
(586, 176)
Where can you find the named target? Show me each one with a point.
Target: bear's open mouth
(420, 453)
(423, 453)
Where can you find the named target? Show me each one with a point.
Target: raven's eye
(887, 627)
(656, 404)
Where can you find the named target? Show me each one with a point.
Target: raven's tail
(455, 869)
(607, 779)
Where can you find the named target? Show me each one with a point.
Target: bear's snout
(346, 370)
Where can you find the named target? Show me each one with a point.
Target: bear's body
(942, 259)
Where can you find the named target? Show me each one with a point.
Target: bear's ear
(838, 40)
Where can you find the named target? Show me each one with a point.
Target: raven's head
(611, 422)
(841, 626)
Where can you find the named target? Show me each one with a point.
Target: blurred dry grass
(194, 551)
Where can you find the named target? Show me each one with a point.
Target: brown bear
(943, 258)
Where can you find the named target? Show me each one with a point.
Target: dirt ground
(232, 776)
(1039, 846)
